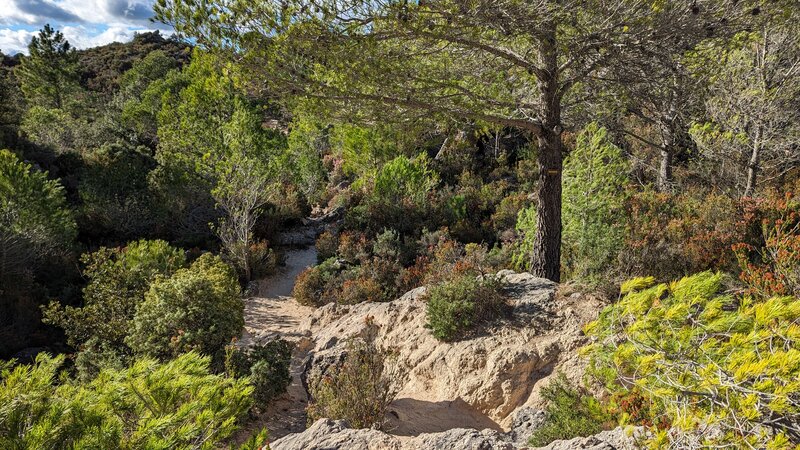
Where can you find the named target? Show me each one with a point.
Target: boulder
(616, 439)
(326, 434)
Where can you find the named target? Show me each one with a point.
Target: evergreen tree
(49, 74)
(515, 64)
(35, 222)
(595, 179)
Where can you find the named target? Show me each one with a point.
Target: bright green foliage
(266, 365)
(307, 144)
(212, 137)
(456, 306)
(35, 222)
(197, 308)
(404, 179)
(526, 228)
(396, 196)
(140, 95)
(118, 280)
(175, 405)
(364, 148)
(595, 181)
(710, 361)
(570, 412)
(49, 74)
(636, 284)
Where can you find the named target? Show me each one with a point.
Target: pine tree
(595, 179)
(49, 74)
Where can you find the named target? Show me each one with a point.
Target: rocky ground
(481, 392)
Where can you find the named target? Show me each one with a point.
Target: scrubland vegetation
(648, 152)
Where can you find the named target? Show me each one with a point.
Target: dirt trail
(274, 313)
(273, 310)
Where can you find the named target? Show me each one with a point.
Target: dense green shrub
(312, 286)
(197, 308)
(118, 279)
(595, 191)
(114, 192)
(364, 148)
(57, 129)
(457, 306)
(395, 196)
(177, 404)
(569, 412)
(723, 368)
(523, 248)
(359, 388)
(267, 367)
(35, 222)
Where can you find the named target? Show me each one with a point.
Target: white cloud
(109, 12)
(81, 37)
(14, 41)
(85, 23)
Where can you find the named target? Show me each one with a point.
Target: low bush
(770, 266)
(312, 286)
(197, 308)
(505, 215)
(326, 246)
(676, 235)
(359, 388)
(118, 280)
(262, 260)
(570, 412)
(360, 290)
(267, 367)
(394, 196)
(457, 306)
(353, 246)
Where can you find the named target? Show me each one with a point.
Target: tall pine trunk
(546, 258)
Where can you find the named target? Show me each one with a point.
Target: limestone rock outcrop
(491, 374)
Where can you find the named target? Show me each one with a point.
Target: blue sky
(85, 23)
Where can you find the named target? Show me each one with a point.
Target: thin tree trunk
(546, 258)
(665, 171)
(752, 165)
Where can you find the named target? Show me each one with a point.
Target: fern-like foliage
(149, 405)
(725, 370)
